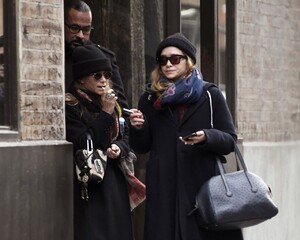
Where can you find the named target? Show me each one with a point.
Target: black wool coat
(175, 171)
(107, 214)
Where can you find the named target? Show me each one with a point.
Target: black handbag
(234, 200)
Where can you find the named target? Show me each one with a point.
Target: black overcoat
(175, 171)
(107, 214)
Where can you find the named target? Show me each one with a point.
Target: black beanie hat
(89, 59)
(180, 41)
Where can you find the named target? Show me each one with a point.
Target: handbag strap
(240, 157)
(223, 176)
(211, 109)
(89, 142)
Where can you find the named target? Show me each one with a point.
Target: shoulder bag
(233, 200)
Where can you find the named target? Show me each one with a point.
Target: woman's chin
(99, 92)
(171, 76)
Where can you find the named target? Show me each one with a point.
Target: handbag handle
(241, 160)
(211, 109)
(89, 142)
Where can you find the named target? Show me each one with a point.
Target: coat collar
(193, 107)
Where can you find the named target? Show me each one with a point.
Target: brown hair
(157, 74)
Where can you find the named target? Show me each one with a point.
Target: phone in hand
(186, 138)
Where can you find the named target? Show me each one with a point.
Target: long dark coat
(107, 215)
(175, 171)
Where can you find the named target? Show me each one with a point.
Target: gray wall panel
(36, 185)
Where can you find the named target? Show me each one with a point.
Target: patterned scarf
(136, 189)
(183, 91)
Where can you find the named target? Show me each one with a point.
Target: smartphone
(189, 136)
(127, 111)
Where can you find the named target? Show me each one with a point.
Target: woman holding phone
(172, 122)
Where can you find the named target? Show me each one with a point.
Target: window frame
(9, 130)
(210, 37)
(172, 16)
(230, 68)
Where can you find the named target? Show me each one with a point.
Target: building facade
(249, 48)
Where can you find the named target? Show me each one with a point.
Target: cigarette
(127, 110)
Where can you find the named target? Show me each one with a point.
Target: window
(215, 41)
(8, 77)
(190, 23)
(226, 76)
(2, 86)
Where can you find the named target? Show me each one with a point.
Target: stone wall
(268, 70)
(278, 164)
(41, 70)
(268, 105)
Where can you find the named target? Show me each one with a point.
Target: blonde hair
(157, 85)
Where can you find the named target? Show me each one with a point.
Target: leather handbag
(234, 200)
(90, 165)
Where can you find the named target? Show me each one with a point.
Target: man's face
(80, 21)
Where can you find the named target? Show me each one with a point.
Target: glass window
(226, 52)
(154, 32)
(1, 66)
(222, 45)
(211, 29)
(190, 23)
(8, 79)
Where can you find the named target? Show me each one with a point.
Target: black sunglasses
(174, 59)
(74, 28)
(98, 75)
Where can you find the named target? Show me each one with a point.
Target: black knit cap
(89, 59)
(180, 41)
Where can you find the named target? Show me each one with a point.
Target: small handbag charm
(90, 166)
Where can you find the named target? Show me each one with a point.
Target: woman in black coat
(175, 106)
(91, 107)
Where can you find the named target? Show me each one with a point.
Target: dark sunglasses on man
(174, 59)
(74, 28)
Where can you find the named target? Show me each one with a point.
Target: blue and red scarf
(182, 91)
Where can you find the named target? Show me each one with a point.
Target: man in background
(78, 27)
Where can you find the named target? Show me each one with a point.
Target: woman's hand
(114, 151)
(136, 118)
(198, 138)
(108, 101)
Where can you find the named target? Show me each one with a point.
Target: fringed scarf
(183, 91)
(136, 189)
